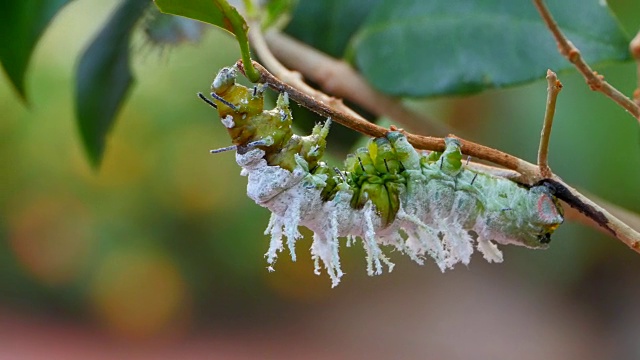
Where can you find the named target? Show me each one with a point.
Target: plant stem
(239, 29)
(553, 89)
(594, 80)
(338, 78)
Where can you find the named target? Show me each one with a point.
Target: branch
(630, 218)
(594, 80)
(553, 89)
(324, 70)
(596, 214)
(529, 173)
(338, 78)
(292, 78)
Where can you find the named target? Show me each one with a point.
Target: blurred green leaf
(218, 13)
(275, 10)
(104, 77)
(207, 11)
(21, 25)
(168, 30)
(424, 48)
(329, 25)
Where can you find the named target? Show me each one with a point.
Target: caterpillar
(389, 194)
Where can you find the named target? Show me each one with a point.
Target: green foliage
(207, 11)
(329, 25)
(275, 9)
(21, 25)
(461, 46)
(436, 48)
(104, 78)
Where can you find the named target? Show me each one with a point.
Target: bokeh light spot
(138, 293)
(51, 238)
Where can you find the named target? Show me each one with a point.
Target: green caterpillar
(388, 193)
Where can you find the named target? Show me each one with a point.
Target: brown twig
(596, 213)
(323, 70)
(338, 78)
(629, 218)
(553, 89)
(292, 78)
(634, 49)
(595, 81)
(530, 173)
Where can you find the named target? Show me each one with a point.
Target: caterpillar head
(238, 106)
(549, 213)
(532, 220)
(241, 112)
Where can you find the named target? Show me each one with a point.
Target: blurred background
(159, 253)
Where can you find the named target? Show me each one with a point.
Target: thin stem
(629, 218)
(594, 80)
(324, 70)
(292, 78)
(600, 216)
(266, 57)
(553, 89)
(634, 49)
(239, 29)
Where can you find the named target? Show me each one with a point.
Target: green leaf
(104, 77)
(164, 30)
(328, 25)
(274, 10)
(22, 23)
(220, 14)
(425, 48)
(206, 11)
